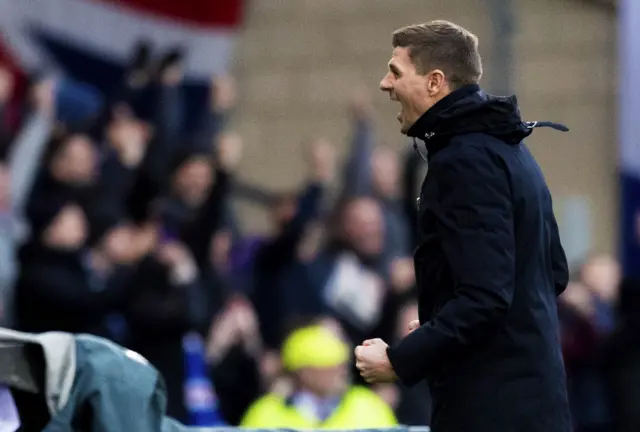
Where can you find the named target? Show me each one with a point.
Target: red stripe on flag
(14, 106)
(206, 13)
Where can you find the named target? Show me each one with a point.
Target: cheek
(416, 90)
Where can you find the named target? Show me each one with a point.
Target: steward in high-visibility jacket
(323, 398)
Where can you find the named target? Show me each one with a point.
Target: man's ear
(436, 82)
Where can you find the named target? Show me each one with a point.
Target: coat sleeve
(473, 216)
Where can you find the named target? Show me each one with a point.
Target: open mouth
(394, 98)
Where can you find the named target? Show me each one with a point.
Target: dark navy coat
(489, 267)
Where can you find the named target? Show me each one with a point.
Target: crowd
(121, 223)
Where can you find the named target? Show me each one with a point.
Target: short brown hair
(442, 45)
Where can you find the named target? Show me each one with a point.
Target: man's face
(68, 230)
(602, 275)
(416, 93)
(363, 226)
(193, 181)
(76, 162)
(325, 382)
(118, 244)
(385, 172)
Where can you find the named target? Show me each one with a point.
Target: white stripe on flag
(629, 86)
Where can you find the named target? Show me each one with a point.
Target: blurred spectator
(342, 281)
(19, 165)
(320, 395)
(584, 333)
(278, 292)
(412, 403)
(234, 352)
(622, 363)
(66, 286)
(375, 172)
(6, 93)
(601, 274)
(174, 291)
(7, 247)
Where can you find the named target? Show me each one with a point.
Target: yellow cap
(313, 346)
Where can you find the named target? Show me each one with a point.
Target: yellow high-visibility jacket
(360, 408)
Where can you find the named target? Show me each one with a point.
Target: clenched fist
(373, 363)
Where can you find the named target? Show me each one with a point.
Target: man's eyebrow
(393, 68)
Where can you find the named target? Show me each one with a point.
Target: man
(321, 396)
(489, 264)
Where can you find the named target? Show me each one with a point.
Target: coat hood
(470, 110)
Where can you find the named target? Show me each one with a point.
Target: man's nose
(385, 84)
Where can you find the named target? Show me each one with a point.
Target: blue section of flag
(629, 134)
(105, 75)
(199, 393)
(629, 236)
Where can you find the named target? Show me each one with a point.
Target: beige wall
(298, 61)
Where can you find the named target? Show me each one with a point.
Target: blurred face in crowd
(578, 297)
(144, 239)
(363, 226)
(415, 92)
(403, 274)
(220, 249)
(76, 161)
(5, 187)
(601, 274)
(118, 244)
(385, 171)
(193, 180)
(125, 130)
(324, 382)
(68, 230)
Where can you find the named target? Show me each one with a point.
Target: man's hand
(373, 363)
(322, 157)
(179, 259)
(403, 275)
(43, 97)
(360, 104)
(129, 138)
(223, 93)
(229, 151)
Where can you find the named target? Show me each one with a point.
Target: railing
(233, 429)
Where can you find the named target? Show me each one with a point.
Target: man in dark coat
(489, 264)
